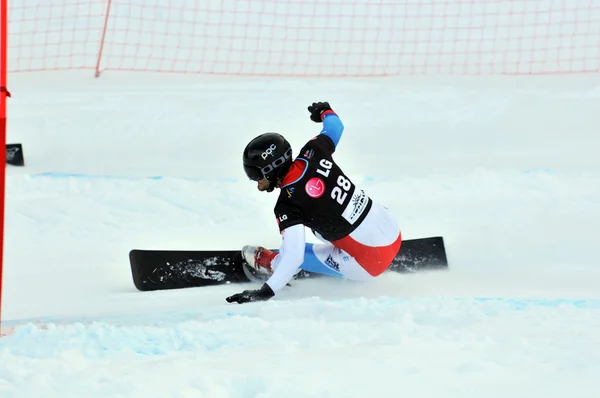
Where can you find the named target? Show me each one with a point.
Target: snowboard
(178, 269)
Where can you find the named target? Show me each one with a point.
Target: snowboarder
(360, 236)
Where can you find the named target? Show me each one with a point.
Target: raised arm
(332, 125)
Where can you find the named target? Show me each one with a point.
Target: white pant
(365, 253)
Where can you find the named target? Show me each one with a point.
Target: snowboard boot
(259, 259)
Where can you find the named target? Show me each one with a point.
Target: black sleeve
(287, 215)
(322, 143)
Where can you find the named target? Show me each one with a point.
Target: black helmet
(268, 155)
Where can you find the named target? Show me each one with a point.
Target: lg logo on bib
(269, 151)
(315, 188)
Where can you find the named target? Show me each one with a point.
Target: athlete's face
(262, 184)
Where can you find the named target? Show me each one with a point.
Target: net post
(103, 38)
(3, 95)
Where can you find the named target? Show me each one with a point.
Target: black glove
(262, 294)
(316, 111)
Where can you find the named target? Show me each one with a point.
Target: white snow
(506, 169)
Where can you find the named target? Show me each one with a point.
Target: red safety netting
(307, 37)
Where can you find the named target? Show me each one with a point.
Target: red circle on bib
(315, 187)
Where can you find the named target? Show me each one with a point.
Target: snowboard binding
(252, 270)
(255, 275)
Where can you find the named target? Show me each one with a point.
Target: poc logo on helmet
(269, 151)
(277, 162)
